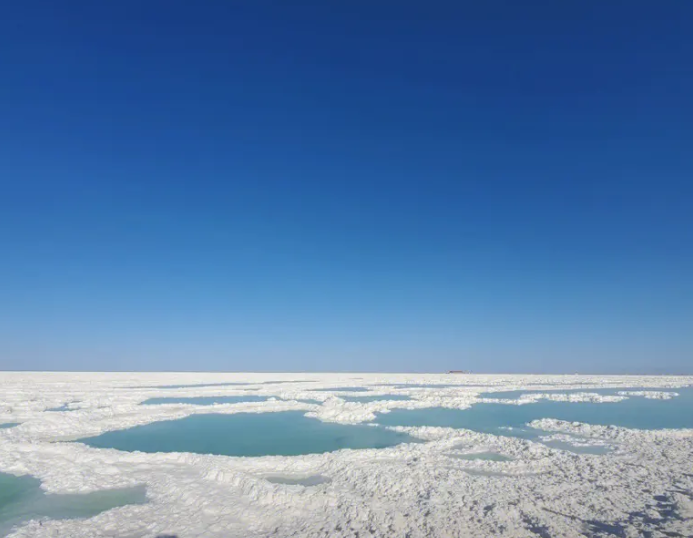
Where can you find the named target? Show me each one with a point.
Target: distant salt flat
(336, 455)
(205, 400)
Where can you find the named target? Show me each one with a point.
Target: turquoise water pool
(8, 425)
(286, 433)
(205, 400)
(22, 499)
(510, 420)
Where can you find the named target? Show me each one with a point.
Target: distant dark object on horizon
(459, 371)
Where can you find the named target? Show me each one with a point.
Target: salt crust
(414, 490)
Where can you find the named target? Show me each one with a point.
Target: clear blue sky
(376, 186)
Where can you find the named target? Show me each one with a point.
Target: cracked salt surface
(642, 487)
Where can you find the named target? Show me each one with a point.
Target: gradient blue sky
(498, 186)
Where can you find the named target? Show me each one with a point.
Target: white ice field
(566, 456)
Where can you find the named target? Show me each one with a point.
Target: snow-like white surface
(650, 394)
(415, 490)
(562, 397)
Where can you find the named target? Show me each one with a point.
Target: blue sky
(347, 186)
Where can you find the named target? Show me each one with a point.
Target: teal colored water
(383, 397)
(22, 499)
(511, 420)
(205, 400)
(8, 425)
(287, 433)
(342, 389)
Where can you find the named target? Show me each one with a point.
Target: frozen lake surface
(341, 455)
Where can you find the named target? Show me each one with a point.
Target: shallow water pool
(285, 433)
(510, 420)
(22, 499)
